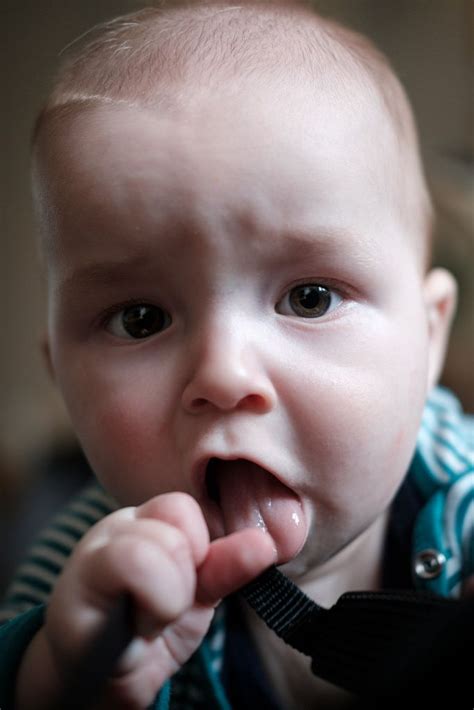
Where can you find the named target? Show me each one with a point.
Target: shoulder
(445, 445)
(443, 472)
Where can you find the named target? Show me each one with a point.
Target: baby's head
(236, 229)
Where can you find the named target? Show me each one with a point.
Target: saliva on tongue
(251, 497)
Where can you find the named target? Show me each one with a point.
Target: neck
(357, 567)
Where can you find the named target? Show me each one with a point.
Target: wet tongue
(250, 497)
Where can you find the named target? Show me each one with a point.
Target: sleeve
(35, 578)
(15, 636)
(22, 611)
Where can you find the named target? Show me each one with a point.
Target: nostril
(199, 403)
(254, 402)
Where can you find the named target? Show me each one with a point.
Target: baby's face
(236, 282)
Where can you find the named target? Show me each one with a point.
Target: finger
(233, 561)
(181, 511)
(157, 570)
(169, 538)
(160, 579)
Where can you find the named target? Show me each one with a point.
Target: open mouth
(212, 486)
(249, 496)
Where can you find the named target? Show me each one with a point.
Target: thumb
(231, 562)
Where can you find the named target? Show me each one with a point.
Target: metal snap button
(429, 564)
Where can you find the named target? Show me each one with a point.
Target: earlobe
(46, 353)
(440, 291)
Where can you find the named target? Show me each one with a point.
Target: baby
(244, 328)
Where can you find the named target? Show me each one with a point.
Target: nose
(227, 374)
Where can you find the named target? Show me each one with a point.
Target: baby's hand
(160, 554)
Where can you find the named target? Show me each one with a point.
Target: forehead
(266, 155)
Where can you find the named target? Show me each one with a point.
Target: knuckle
(179, 505)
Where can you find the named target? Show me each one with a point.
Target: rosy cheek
(118, 439)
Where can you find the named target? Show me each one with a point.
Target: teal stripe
(65, 528)
(454, 580)
(101, 508)
(44, 563)
(213, 678)
(446, 423)
(447, 445)
(421, 475)
(462, 507)
(85, 517)
(444, 409)
(448, 403)
(443, 465)
(33, 582)
(22, 599)
(54, 545)
(461, 512)
(163, 700)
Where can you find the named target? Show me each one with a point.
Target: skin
(214, 215)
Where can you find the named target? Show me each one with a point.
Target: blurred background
(430, 44)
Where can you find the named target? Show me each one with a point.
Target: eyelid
(340, 287)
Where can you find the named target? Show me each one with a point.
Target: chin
(307, 561)
(296, 568)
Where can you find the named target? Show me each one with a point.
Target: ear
(46, 353)
(440, 291)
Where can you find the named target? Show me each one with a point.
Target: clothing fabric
(430, 545)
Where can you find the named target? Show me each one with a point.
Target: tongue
(250, 497)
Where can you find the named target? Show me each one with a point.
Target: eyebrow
(326, 242)
(107, 273)
(287, 245)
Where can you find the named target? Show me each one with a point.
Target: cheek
(358, 406)
(122, 419)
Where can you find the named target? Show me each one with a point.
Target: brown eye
(139, 321)
(308, 301)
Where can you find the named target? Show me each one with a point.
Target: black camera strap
(382, 646)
